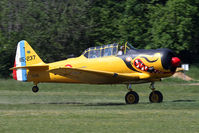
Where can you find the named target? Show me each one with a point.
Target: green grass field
(67, 108)
(193, 72)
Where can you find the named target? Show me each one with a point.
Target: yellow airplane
(99, 65)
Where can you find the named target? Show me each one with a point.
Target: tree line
(57, 29)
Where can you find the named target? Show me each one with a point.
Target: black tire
(156, 97)
(35, 89)
(132, 97)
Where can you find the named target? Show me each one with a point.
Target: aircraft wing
(95, 76)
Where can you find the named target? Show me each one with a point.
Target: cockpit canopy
(106, 50)
(101, 51)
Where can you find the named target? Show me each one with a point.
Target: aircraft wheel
(35, 89)
(132, 97)
(156, 97)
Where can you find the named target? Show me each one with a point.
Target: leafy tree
(106, 18)
(195, 34)
(56, 29)
(134, 22)
(171, 25)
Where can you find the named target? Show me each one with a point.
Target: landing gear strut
(155, 96)
(131, 97)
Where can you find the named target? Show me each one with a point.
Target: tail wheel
(156, 97)
(132, 97)
(35, 89)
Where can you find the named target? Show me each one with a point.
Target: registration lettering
(30, 58)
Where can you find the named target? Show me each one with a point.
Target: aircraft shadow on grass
(84, 104)
(178, 101)
(110, 103)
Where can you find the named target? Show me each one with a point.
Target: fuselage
(98, 65)
(132, 62)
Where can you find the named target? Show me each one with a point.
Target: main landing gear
(35, 89)
(155, 96)
(133, 98)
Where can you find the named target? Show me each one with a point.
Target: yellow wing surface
(95, 76)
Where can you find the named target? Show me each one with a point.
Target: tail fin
(25, 56)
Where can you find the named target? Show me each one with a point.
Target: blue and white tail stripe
(20, 59)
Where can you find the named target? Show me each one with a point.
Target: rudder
(25, 56)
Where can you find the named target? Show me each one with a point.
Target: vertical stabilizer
(25, 56)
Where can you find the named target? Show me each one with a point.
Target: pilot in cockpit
(121, 51)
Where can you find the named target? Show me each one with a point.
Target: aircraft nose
(175, 62)
(169, 60)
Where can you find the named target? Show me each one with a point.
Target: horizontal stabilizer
(32, 67)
